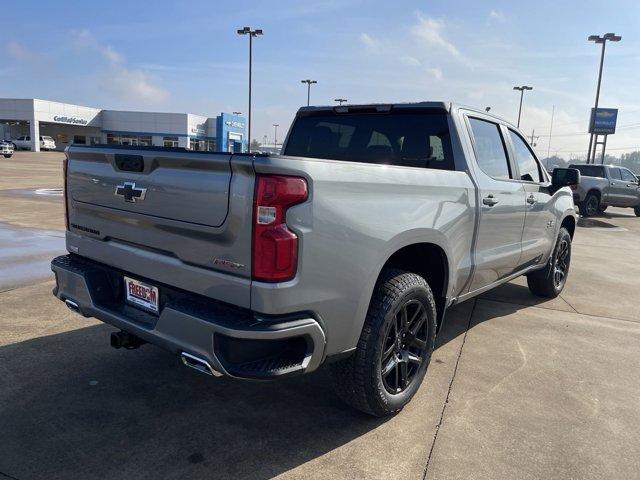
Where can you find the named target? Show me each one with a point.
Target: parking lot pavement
(518, 388)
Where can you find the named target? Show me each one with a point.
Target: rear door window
(491, 154)
(616, 173)
(527, 163)
(410, 139)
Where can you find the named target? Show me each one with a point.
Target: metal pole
(553, 111)
(275, 135)
(591, 157)
(520, 109)
(249, 122)
(308, 92)
(604, 147)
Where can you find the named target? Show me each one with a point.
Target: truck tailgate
(174, 204)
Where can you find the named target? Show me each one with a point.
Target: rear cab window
(590, 170)
(409, 138)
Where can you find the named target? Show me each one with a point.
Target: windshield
(397, 138)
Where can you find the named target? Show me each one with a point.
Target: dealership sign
(603, 121)
(229, 123)
(70, 120)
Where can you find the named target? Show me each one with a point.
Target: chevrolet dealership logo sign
(234, 124)
(71, 120)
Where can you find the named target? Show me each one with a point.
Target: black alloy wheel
(561, 263)
(405, 346)
(591, 206)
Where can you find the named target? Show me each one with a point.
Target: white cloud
(430, 32)
(111, 55)
(410, 61)
(435, 72)
(118, 79)
(133, 85)
(18, 51)
(497, 16)
(369, 42)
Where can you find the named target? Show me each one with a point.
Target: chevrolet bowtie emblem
(130, 192)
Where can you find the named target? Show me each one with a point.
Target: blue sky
(186, 56)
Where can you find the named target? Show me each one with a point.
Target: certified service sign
(70, 120)
(603, 121)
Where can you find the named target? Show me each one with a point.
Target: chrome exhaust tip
(73, 306)
(198, 364)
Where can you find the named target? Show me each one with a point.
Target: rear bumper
(234, 341)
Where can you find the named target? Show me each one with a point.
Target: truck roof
(381, 107)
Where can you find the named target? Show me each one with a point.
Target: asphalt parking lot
(518, 387)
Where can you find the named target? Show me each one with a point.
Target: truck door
(502, 201)
(617, 191)
(539, 221)
(630, 183)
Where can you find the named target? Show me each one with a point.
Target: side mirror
(565, 177)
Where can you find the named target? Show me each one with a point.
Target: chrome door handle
(489, 200)
(531, 199)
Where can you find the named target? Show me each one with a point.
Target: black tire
(591, 205)
(550, 281)
(7, 156)
(636, 210)
(359, 379)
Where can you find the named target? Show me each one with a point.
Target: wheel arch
(569, 222)
(429, 260)
(595, 191)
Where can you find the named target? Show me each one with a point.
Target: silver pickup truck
(347, 250)
(603, 186)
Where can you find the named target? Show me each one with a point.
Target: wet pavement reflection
(26, 253)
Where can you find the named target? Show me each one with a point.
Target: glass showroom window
(129, 140)
(80, 139)
(144, 140)
(211, 146)
(113, 139)
(197, 145)
(170, 142)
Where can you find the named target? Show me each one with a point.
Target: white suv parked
(24, 143)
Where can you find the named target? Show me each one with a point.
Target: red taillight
(65, 162)
(275, 247)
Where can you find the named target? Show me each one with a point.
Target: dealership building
(67, 124)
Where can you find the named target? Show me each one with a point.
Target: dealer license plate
(141, 295)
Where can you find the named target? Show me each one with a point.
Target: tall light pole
(275, 135)
(340, 100)
(553, 111)
(522, 89)
(612, 37)
(308, 82)
(251, 33)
